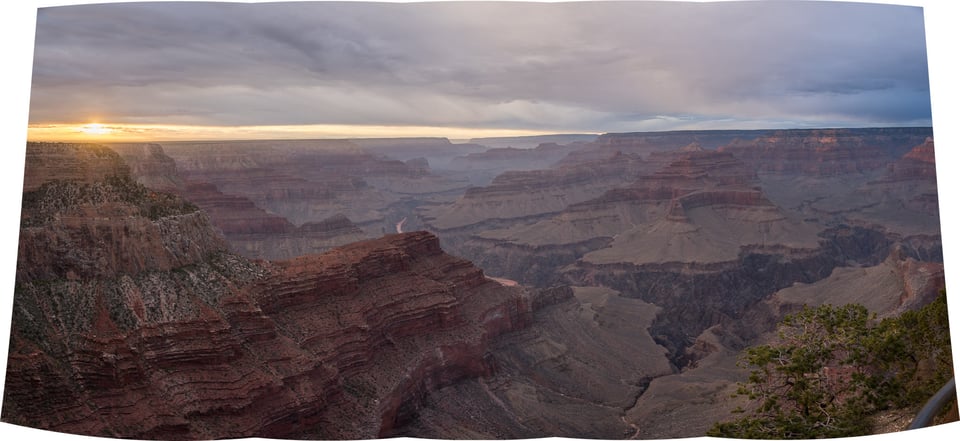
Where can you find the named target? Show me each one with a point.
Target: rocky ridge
(707, 235)
(300, 181)
(253, 232)
(530, 194)
(178, 339)
(150, 165)
(249, 229)
(512, 158)
(76, 162)
(825, 152)
(704, 206)
(781, 239)
(308, 181)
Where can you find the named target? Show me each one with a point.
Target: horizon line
(78, 136)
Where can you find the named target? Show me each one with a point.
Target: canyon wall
(710, 226)
(646, 262)
(137, 323)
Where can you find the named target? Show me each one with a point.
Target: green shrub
(833, 366)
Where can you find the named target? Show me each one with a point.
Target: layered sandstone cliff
(710, 234)
(702, 207)
(150, 165)
(519, 195)
(141, 325)
(75, 162)
(255, 233)
(248, 229)
(912, 181)
(300, 181)
(649, 144)
(917, 164)
(512, 158)
(310, 180)
(826, 152)
(675, 269)
(899, 198)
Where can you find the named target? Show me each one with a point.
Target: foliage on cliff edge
(832, 367)
(56, 197)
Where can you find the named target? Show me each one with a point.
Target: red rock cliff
(123, 332)
(817, 152)
(918, 164)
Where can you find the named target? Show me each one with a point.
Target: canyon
(579, 286)
(133, 320)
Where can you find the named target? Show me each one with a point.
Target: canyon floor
(585, 287)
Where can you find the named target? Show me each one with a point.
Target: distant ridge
(533, 141)
(712, 139)
(768, 132)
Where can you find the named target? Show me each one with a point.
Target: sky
(281, 70)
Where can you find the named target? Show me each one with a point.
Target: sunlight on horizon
(105, 132)
(96, 129)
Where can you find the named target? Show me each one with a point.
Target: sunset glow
(156, 132)
(96, 129)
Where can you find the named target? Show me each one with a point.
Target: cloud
(583, 66)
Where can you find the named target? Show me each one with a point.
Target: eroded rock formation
(149, 329)
(248, 229)
(679, 255)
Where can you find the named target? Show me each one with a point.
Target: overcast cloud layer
(589, 67)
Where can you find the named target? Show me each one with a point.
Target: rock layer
(825, 152)
(84, 163)
(164, 335)
(249, 229)
(678, 260)
(529, 194)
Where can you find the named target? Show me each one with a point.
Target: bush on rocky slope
(60, 196)
(832, 367)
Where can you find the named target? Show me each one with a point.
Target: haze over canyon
(590, 287)
(470, 220)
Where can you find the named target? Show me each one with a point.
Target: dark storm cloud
(583, 66)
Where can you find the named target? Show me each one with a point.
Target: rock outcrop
(249, 230)
(84, 216)
(234, 215)
(899, 198)
(704, 207)
(655, 259)
(708, 235)
(253, 232)
(150, 165)
(918, 164)
(300, 181)
(825, 152)
(585, 359)
(83, 163)
(502, 159)
(439, 151)
(518, 195)
(308, 181)
(146, 328)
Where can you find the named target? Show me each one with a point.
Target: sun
(95, 129)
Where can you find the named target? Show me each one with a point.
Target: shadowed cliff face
(282, 199)
(249, 229)
(309, 181)
(131, 320)
(710, 227)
